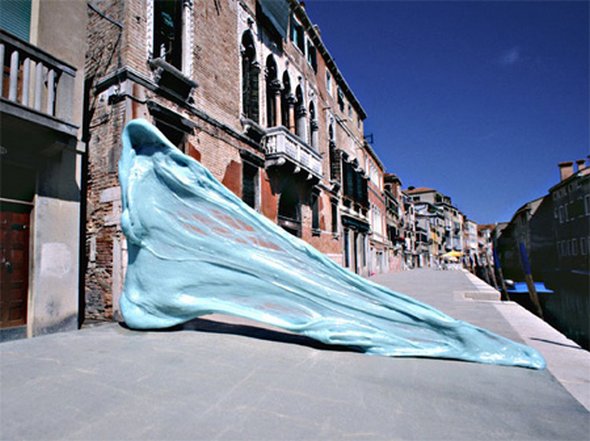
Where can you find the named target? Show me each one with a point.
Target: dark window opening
(272, 89)
(334, 163)
(334, 217)
(355, 259)
(361, 239)
(315, 212)
(340, 100)
(168, 31)
(175, 136)
(290, 212)
(297, 36)
(285, 100)
(250, 185)
(312, 56)
(250, 71)
(346, 249)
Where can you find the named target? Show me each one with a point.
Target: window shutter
(15, 17)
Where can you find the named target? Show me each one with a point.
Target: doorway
(14, 258)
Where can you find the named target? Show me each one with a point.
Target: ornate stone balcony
(36, 87)
(282, 147)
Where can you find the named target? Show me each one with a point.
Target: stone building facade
(42, 48)
(439, 224)
(379, 244)
(397, 229)
(247, 88)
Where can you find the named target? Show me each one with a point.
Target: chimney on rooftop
(581, 163)
(566, 169)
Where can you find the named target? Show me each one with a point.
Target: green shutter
(277, 11)
(15, 17)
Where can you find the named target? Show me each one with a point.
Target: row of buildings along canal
(246, 87)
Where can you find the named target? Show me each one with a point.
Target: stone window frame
(297, 35)
(250, 69)
(187, 34)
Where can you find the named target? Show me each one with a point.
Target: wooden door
(14, 262)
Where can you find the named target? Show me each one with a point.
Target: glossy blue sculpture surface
(196, 249)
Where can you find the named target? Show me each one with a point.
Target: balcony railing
(33, 80)
(280, 144)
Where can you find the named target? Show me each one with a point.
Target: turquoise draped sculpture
(196, 249)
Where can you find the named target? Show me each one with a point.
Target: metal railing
(278, 141)
(34, 79)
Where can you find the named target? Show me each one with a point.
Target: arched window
(286, 93)
(250, 71)
(273, 88)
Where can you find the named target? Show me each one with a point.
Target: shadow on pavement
(219, 327)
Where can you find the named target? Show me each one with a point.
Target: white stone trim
(187, 37)
(149, 31)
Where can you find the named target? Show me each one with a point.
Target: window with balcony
(250, 71)
(300, 114)
(285, 97)
(273, 90)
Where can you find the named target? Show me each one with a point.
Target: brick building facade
(247, 88)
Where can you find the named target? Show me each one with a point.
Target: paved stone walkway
(224, 378)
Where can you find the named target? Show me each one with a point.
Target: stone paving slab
(234, 380)
(566, 360)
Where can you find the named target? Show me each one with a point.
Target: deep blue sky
(477, 99)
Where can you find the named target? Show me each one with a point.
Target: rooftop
(419, 190)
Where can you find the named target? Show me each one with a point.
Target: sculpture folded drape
(195, 249)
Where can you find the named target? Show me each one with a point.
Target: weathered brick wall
(103, 208)
(217, 60)
(134, 48)
(104, 39)
(218, 136)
